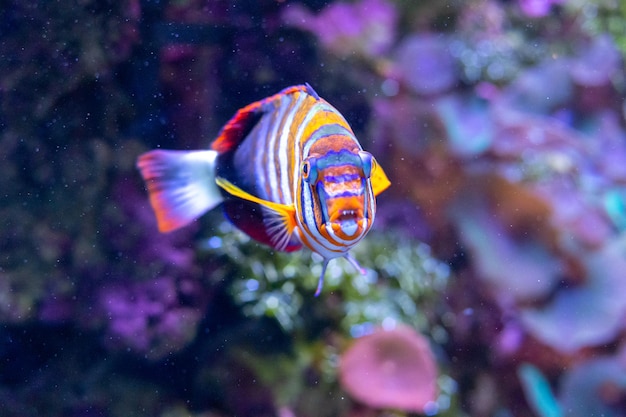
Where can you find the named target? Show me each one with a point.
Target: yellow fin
(379, 179)
(279, 219)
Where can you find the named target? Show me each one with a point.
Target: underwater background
(496, 281)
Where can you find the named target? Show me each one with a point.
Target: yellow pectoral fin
(379, 179)
(286, 213)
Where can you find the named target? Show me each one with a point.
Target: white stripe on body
(286, 191)
(259, 146)
(269, 171)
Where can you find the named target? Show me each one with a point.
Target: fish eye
(366, 163)
(309, 170)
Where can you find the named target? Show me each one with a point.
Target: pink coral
(392, 369)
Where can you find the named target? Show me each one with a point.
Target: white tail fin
(181, 185)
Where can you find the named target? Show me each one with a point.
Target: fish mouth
(345, 216)
(347, 222)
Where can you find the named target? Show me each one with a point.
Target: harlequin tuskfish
(288, 171)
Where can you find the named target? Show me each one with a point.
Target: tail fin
(181, 185)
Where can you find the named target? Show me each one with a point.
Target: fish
(287, 170)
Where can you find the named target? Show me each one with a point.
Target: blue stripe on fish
(342, 178)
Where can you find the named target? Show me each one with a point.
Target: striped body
(287, 170)
(296, 127)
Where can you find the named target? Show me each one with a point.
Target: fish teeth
(347, 214)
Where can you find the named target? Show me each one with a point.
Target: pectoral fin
(379, 179)
(279, 220)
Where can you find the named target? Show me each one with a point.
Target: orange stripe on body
(304, 109)
(321, 119)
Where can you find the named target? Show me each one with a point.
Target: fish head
(337, 192)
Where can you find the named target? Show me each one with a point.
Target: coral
(148, 317)
(594, 386)
(597, 64)
(520, 268)
(278, 285)
(588, 314)
(391, 369)
(400, 287)
(537, 8)
(154, 303)
(365, 28)
(425, 64)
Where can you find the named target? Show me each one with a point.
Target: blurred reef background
(497, 264)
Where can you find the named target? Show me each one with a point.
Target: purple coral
(392, 369)
(148, 317)
(425, 64)
(523, 269)
(587, 315)
(468, 125)
(366, 27)
(595, 387)
(597, 64)
(537, 8)
(153, 305)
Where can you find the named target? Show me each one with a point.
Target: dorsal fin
(311, 92)
(238, 127)
(247, 117)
